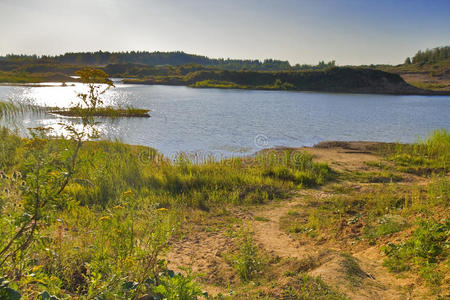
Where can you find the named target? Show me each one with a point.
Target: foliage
(175, 286)
(330, 79)
(423, 250)
(91, 77)
(247, 261)
(425, 157)
(119, 209)
(151, 58)
(432, 55)
(7, 292)
(109, 111)
(306, 287)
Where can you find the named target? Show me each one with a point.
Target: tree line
(430, 55)
(177, 58)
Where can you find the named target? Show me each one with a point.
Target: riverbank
(331, 79)
(339, 220)
(334, 80)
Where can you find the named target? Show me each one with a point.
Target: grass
(383, 206)
(352, 270)
(25, 77)
(247, 261)
(425, 157)
(428, 85)
(108, 233)
(122, 208)
(304, 286)
(261, 219)
(422, 252)
(111, 112)
(218, 84)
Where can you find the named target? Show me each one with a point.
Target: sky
(351, 32)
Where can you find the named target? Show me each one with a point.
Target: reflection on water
(239, 122)
(54, 94)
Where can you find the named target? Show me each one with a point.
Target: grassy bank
(111, 112)
(104, 232)
(25, 77)
(337, 79)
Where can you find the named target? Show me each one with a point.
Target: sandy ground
(204, 250)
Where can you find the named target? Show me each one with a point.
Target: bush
(247, 261)
(424, 250)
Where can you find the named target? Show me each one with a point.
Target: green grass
(425, 157)
(111, 112)
(422, 252)
(304, 286)
(385, 225)
(121, 210)
(428, 85)
(380, 210)
(261, 219)
(217, 84)
(248, 262)
(25, 77)
(353, 271)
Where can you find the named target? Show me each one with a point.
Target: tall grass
(431, 155)
(106, 234)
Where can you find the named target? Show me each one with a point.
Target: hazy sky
(301, 31)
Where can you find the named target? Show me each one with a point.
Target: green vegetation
(248, 262)
(176, 286)
(174, 69)
(342, 79)
(353, 271)
(424, 157)
(423, 251)
(428, 85)
(145, 58)
(102, 112)
(432, 55)
(23, 77)
(76, 215)
(304, 286)
(98, 83)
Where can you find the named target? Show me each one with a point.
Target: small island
(111, 112)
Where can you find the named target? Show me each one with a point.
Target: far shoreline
(127, 81)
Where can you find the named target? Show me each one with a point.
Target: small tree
(94, 78)
(48, 168)
(407, 61)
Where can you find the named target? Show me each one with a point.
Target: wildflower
(36, 268)
(104, 218)
(129, 192)
(161, 209)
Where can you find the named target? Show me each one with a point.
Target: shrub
(424, 250)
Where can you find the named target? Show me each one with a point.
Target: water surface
(240, 122)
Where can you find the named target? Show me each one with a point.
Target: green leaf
(46, 296)
(7, 293)
(129, 285)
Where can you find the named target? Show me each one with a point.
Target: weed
(423, 251)
(248, 261)
(304, 286)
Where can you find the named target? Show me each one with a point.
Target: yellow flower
(104, 218)
(161, 209)
(36, 268)
(129, 192)
(118, 207)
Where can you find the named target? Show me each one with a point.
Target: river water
(239, 122)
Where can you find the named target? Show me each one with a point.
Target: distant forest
(434, 55)
(177, 58)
